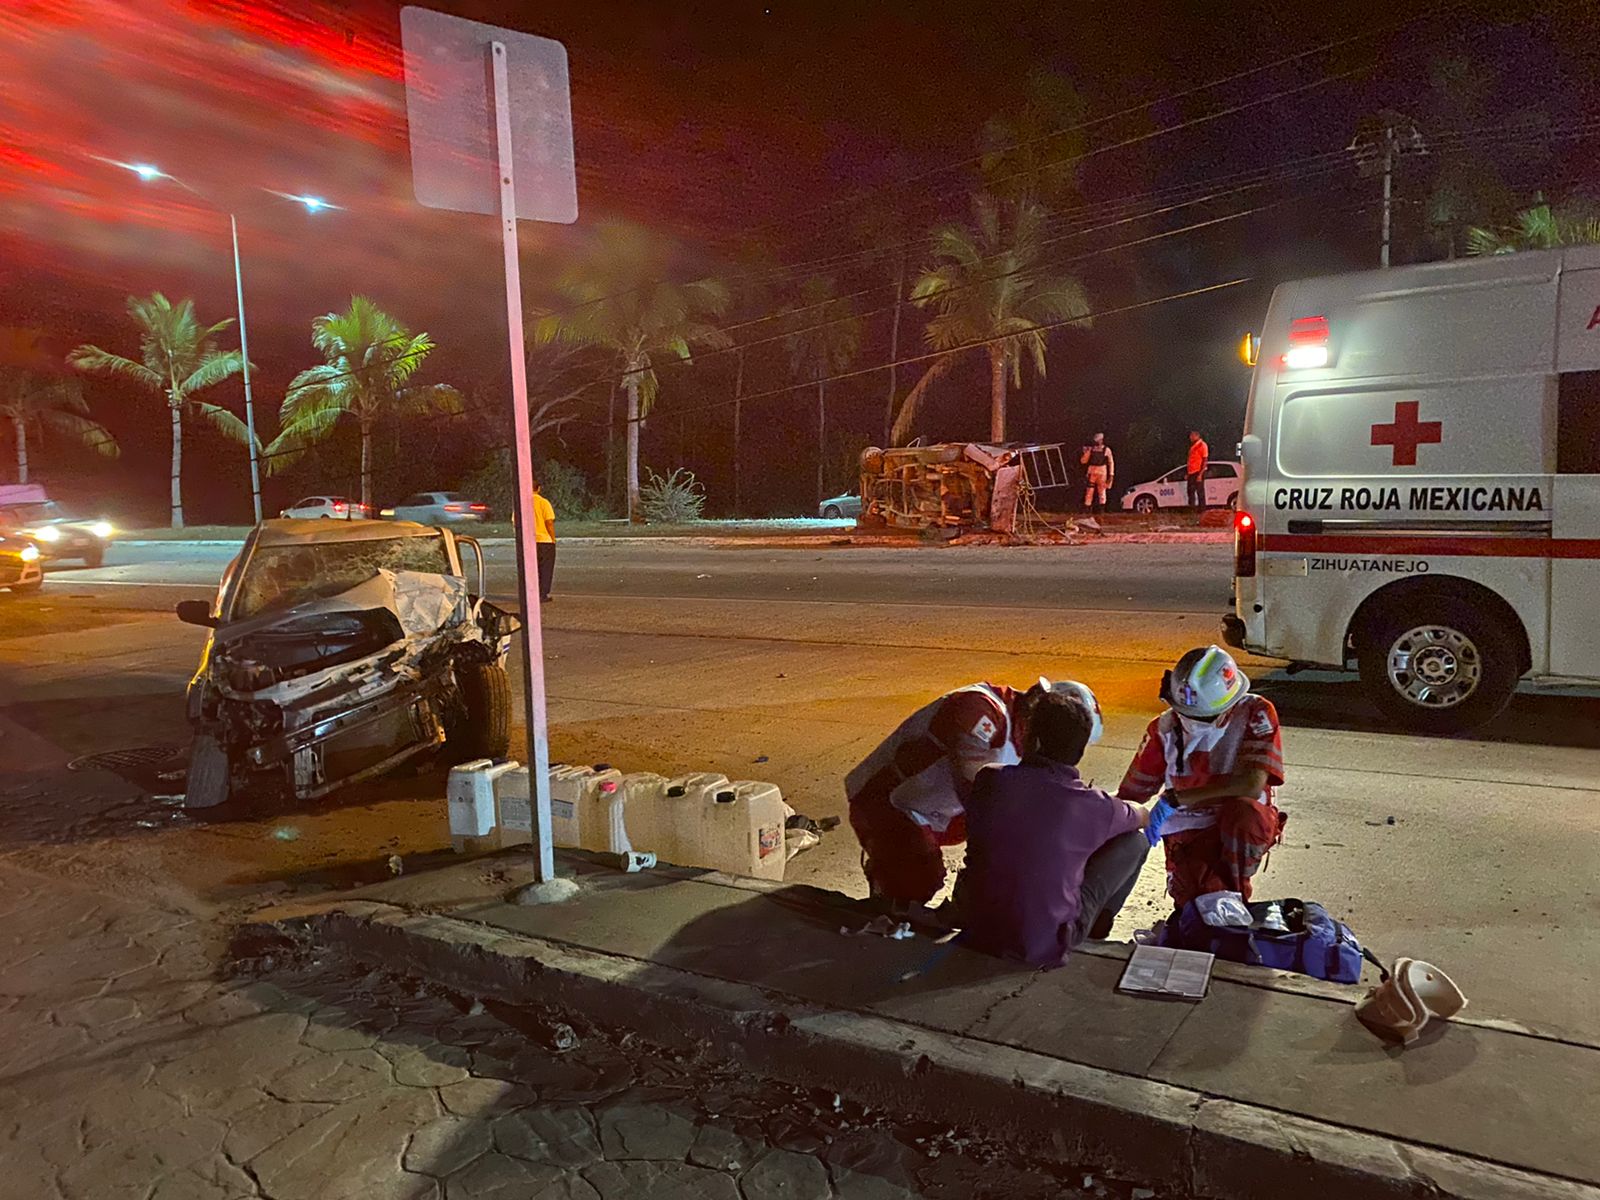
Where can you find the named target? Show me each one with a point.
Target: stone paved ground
(132, 1068)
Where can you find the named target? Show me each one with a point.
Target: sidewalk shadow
(1323, 700)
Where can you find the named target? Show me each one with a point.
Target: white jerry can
(470, 799)
(642, 793)
(743, 830)
(680, 819)
(513, 808)
(586, 808)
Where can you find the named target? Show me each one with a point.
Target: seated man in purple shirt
(1050, 861)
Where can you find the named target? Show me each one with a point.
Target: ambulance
(1421, 482)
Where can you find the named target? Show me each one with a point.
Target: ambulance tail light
(1308, 343)
(1244, 545)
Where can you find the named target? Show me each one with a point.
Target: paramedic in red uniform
(908, 797)
(1215, 757)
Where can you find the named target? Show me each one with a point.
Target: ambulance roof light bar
(1308, 343)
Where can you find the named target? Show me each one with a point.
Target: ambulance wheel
(482, 726)
(1144, 505)
(1440, 667)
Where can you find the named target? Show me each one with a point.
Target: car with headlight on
(438, 508)
(25, 509)
(339, 650)
(327, 508)
(19, 564)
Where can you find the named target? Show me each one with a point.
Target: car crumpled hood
(431, 610)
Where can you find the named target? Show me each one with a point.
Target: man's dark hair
(1060, 727)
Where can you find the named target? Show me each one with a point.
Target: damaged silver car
(338, 651)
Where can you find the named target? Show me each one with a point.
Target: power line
(1132, 109)
(917, 358)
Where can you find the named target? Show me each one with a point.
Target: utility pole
(1388, 191)
(1379, 141)
(244, 355)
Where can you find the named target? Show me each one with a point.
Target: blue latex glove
(1159, 812)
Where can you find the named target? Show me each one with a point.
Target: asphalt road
(1127, 577)
(789, 664)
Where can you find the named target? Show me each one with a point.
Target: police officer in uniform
(1101, 469)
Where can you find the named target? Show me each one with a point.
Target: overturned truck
(338, 651)
(960, 487)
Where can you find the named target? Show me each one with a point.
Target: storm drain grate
(125, 760)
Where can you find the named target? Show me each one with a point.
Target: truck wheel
(1442, 667)
(209, 783)
(1144, 505)
(482, 729)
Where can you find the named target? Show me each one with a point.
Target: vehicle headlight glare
(102, 529)
(48, 534)
(30, 554)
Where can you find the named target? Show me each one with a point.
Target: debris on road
(881, 926)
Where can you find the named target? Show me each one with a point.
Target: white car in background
(327, 508)
(1172, 489)
(437, 508)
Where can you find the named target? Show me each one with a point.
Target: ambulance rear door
(1575, 549)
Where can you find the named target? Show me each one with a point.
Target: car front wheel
(481, 727)
(832, 512)
(210, 782)
(1144, 505)
(1441, 666)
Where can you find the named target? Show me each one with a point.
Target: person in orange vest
(1199, 455)
(544, 536)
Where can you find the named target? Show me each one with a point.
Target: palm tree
(1543, 226)
(178, 357)
(825, 337)
(1031, 154)
(371, 359)
(989, 287)
(620, 301)
(34, 403)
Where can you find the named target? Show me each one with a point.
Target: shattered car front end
(336, 658)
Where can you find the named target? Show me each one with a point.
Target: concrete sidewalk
(1268, 1085)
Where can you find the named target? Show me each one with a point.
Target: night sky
(727, 126)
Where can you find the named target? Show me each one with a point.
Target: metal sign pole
(244, 355)
(544, 867)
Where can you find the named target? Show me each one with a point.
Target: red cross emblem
(1407, 433)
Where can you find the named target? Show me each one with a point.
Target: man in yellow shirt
(544, 534)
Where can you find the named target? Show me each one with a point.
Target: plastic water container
(681, 817)
(470, 798)
(741, 830)
(642, 793)
(586, 808)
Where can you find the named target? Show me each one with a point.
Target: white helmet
(1206, 683)
(1081, 692)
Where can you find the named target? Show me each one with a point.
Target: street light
(149, 172)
